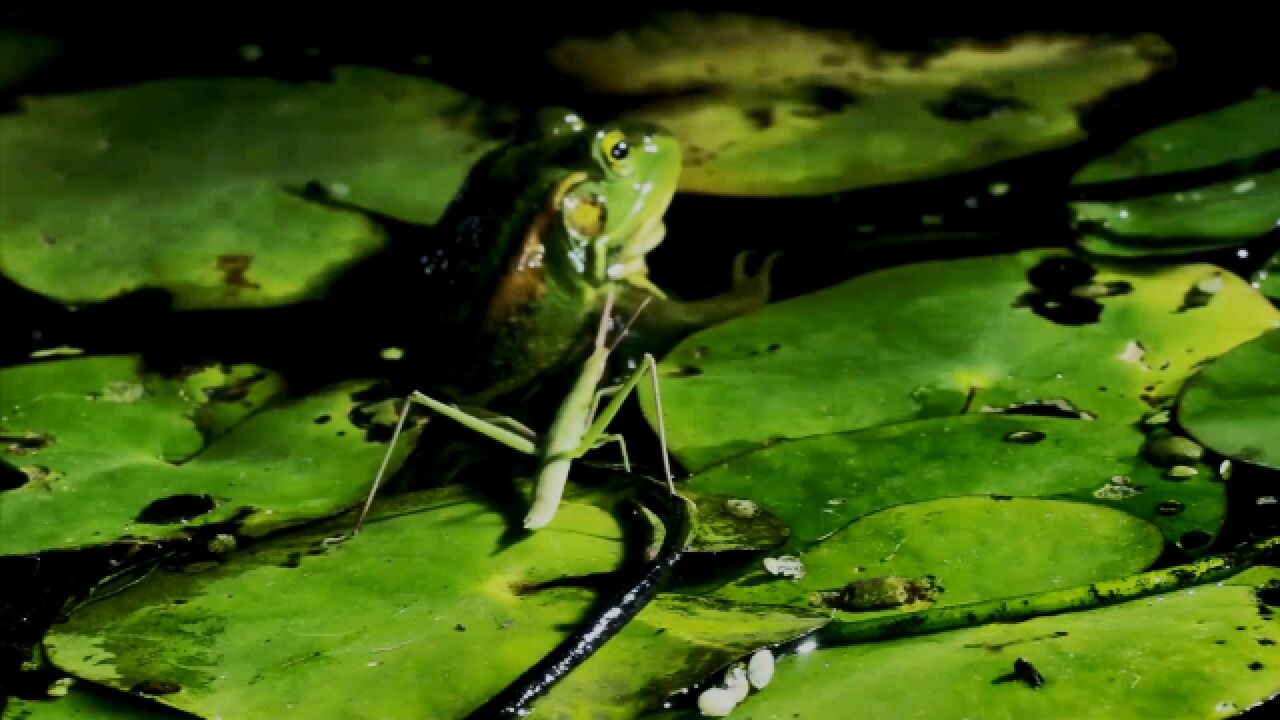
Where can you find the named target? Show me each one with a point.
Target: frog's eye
(584, 212)
(615, 152)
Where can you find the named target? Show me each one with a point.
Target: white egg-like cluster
(720, 700)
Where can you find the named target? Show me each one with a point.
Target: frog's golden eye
(615, 152)
(584, 212)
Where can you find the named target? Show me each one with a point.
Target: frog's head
(609, 186)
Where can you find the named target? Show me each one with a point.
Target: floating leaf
(1232, 404)
(1197, 184)
(818, 485)
(766, 107)
(1035, 332)
(1267, 279)
(188, 177)
(111, 450)
(1208, 651)
(975, 548)
(429, 611)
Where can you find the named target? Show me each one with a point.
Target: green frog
(540, 229)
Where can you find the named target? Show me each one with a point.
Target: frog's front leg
(750, 292)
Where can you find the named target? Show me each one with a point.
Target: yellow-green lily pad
(973, 548)
(112, 451)
(428, 612)
(1232, 404)
(1207, 185)
(767, 107)
(1036, 331)
(86, 702)
(181, 184)
(1208, 651)
(818, 485)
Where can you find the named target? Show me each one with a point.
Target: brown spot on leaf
(156, 687)
(234, 269)
(761, 117)
(968, 103)
(26, 443)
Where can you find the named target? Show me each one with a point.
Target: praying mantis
(575, 430)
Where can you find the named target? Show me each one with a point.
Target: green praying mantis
(575, 430)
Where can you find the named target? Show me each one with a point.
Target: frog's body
(540, 229)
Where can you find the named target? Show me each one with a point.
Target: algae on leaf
(188, 182)
(112, 451)
(767, 107)
(1232, 404)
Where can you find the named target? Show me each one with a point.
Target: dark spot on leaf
(1219, 642)
(180, 601)
(176, 508)
(322, 419)
(1002, 497)
(460, 627)
(156, 687)
(234, 269)
(293, 560)
(685, 371)
(1060, 274)
(1266, 641)
(1170, 507)
(1024, 437)
(967, 103)
(1194, 540)
(1255, 666)
(824, 100)
(11, 478)
(774, 347)
(27, 443)
(1068, 310)
(1194, 299)
(342, 433)
(1027, 673)
(761, 117)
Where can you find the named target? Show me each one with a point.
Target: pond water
(963, 339)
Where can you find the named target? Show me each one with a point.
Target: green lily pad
(674, 642)
(181, 184)
(767, 107)
(942, 338)
(818, 485)
(1223, 198)
(429, 611)
(1205, 652)
(21, 53)
(733, 522)
(112, 451)
(977, 548)
(1232, 404)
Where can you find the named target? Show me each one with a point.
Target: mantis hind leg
(489, 428)
(596, 436)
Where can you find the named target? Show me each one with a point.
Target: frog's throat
(631, 260)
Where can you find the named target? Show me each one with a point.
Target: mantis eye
(614, 152)
(584, 212)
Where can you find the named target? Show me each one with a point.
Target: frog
(541, 228)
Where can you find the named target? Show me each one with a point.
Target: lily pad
(975, 548)
(1197, 184)
(767, 107)
(186, 183)
(1267, 279)
(1209, 651)
(113, 451)
(1232, 404)
(944, 338)
(428, 612)
(818, 485)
